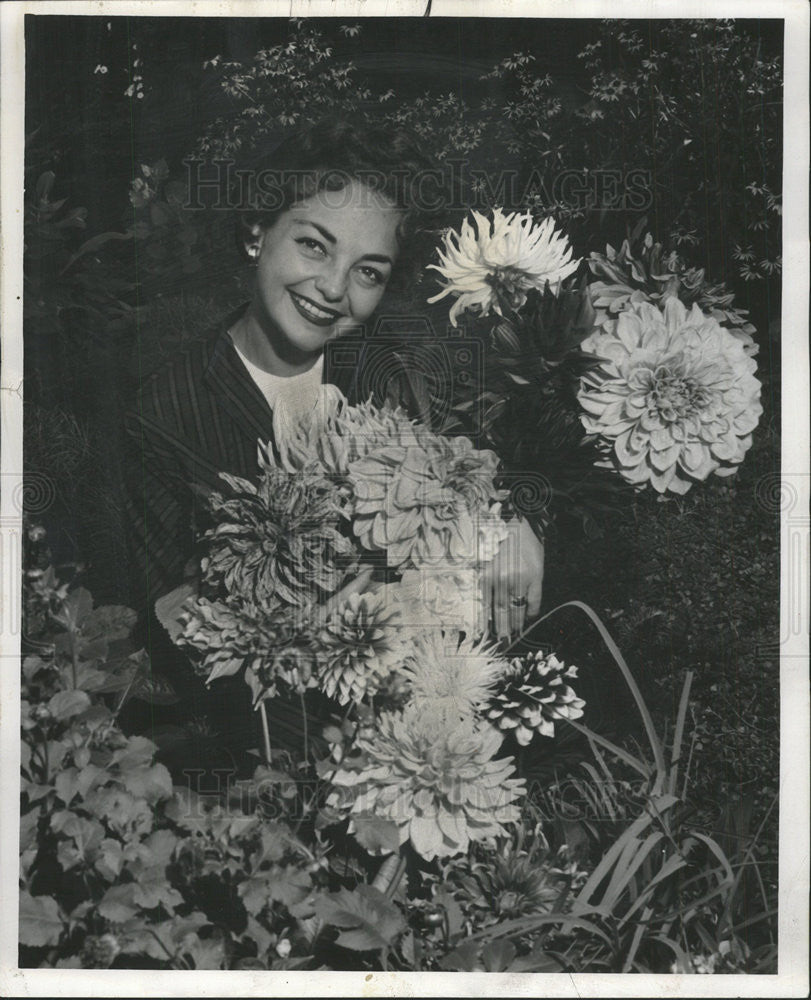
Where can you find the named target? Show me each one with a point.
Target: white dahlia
(508, 255)
(455, 678)
(438, 782)
(425, 501)
(676, 398)
(358, 647)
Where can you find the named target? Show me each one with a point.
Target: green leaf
(154, 689)
(152, 889)
(161, 846)
(110, 859)
(110, 622)
(76, 606)
(66, 704)
(497, 955)
(288, 885)
(375, 834)
(260, 936)
(159, 941)
(370, 920)
(456, 918)
(32, 665)
(118, 903)
(465, 958)
(87, 677)
(40, 922)
(152, 783)
(72, 782)
(28, 829)
(537, 961)
(138, 751)
(96, 649)
(169, 608)
(208, 953)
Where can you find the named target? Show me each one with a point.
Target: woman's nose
(331, 283)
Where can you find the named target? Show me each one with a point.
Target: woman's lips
(314, 314)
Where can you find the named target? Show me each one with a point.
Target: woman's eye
(371, 275)
(312, 246)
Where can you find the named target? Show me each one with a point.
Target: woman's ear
(251, 237)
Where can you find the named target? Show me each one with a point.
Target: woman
(338, 215)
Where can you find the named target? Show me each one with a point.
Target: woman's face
(322, 268)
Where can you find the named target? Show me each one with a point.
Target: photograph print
(402, 504)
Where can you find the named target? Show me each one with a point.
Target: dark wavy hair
(329, 155)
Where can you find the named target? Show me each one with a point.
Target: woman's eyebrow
(324, 232)
(379, 258)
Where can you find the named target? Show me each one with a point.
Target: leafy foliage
(65, 278)
(286, 85)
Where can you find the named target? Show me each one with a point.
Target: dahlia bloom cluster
(408, 659)
(675, 399)
(434, 768)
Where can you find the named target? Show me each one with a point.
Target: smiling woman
(321, 269)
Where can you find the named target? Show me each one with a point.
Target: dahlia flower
(438, 782)
(454, 678)
(676, 398)
(440, 597)
(334, 434)
(423, 500)
(358, 647)
(534, 694)
(277, 541)
(271, 646)
(505, 257)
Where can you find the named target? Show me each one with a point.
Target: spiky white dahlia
(425, 500)
(507, 255)
(455, 678)
(676, 398)
(438, 782)
(533, 695)
(358, 647)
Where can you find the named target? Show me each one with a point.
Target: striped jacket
(200, 415)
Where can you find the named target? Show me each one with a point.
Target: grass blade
(678, 735)
(647, 720)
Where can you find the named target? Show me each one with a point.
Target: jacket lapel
(228, 379)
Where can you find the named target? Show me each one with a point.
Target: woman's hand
(355, 586)
(513, 581)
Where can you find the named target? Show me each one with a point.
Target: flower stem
(265, 732)
(304, 726)
(74, 659)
